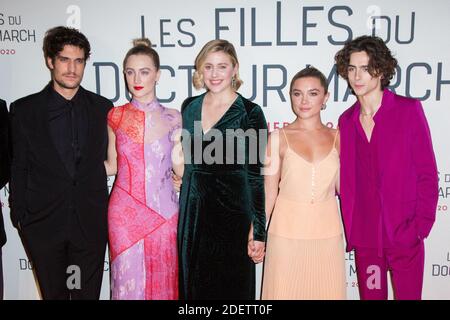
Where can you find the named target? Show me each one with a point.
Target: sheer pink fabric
(143, 207)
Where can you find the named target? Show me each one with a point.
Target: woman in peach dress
(305, 251)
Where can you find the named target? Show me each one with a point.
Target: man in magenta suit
(389, 181)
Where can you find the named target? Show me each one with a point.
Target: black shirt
(68, 127)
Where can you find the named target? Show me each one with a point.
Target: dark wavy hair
(381, 61)
(56, 38)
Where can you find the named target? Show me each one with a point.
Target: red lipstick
(138, 87)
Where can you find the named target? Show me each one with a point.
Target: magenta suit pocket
(405, 235)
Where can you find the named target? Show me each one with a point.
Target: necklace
(367, 114)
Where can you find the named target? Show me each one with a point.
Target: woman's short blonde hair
(215, 46)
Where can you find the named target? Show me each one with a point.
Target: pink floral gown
(143, 207)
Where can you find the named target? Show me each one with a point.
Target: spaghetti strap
(285, 138)
(335, 137)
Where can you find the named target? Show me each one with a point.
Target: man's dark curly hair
(58, 37)
(381, 61)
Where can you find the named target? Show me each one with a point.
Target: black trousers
(66, 264)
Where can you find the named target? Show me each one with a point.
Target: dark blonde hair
(215, 46)
(142, 46)
(310, 72)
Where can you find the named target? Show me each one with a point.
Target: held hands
(176, 181)
(255, 249)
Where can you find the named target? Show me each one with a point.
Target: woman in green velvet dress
(221, 228)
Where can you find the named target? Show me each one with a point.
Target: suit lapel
(352, 157)
(384, 129)
(87, 145)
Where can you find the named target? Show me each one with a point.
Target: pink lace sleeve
(114, 117)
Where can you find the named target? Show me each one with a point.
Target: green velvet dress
(221, 195)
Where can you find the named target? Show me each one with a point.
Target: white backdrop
(273, 39)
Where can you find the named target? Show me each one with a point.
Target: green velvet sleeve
(257, 121)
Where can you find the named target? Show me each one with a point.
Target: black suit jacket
(4, 160)
(40, 183)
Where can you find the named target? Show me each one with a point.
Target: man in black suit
(4, 177)
(59, 193)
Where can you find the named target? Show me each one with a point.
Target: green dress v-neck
(221, 195)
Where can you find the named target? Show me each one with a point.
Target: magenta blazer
(408, 179)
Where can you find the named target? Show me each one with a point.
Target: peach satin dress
(305, 250)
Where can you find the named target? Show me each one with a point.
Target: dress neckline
(150, 106)
(313, 163)
(221, 117)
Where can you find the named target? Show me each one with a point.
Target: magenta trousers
(405, 264)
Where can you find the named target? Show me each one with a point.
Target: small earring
(324, 106)
(233, 82)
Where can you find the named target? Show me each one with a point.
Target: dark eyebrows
(310, 90)
(363, 66)
(61, 57)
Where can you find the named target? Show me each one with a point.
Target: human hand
(176, 182)
(256, 250)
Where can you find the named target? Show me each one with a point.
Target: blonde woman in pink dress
(304, 251)
(143, 207)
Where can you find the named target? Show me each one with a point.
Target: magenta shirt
(371, 230)
(406, 176)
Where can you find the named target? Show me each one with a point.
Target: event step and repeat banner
(274, 40)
